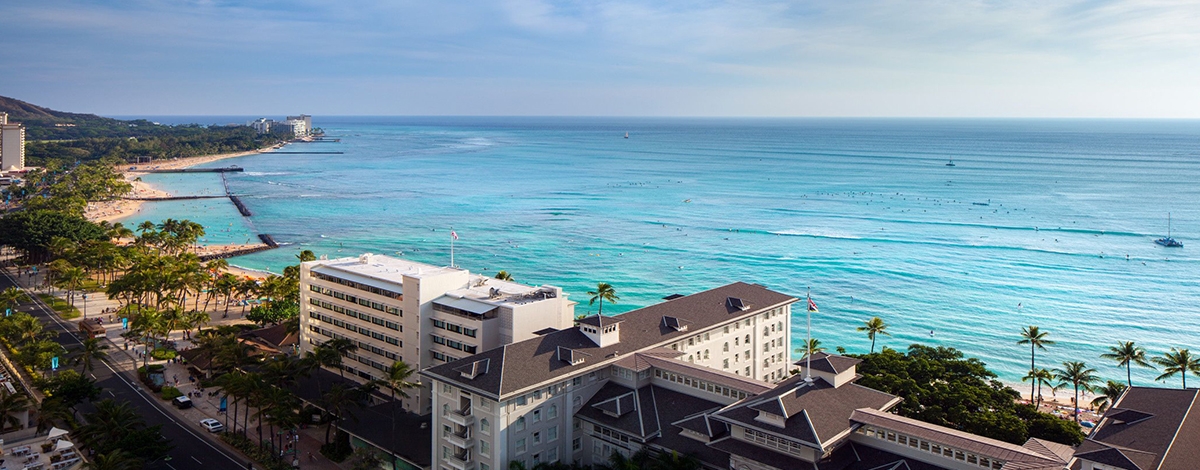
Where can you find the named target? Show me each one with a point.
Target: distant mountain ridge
(21, 110)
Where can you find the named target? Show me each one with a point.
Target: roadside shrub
(170, 393)
(163, 354)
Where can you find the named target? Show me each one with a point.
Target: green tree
(1040, 377)
(604, 291)
(274, 313)
(874, 327)
(814, 346)
(398, 381)
(306, 256)
(504, 275)
(1126, 354)
(90, 350)
(10, 405)
(939, 385)
(1108, 395)
(33, 231)
(115, 460)
(1078, 375)
(1036, 339)
(117, 426)
(12, 297)
(1178, 361)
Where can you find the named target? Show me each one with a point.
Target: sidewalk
(122, 355)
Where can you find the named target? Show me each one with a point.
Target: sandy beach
(113, 211)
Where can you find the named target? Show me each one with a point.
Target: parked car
(182, 402)
(212, 425)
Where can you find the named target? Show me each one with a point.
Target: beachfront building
(650, 380)
(399, 310)
(261, 125)
(306, 119)
(1147, 428)
(12, 145)
(529, 401)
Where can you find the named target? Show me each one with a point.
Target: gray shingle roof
(815, 413)
(519, 366)
(831, 363)
(1154, 428)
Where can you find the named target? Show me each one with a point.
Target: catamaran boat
(1168, 241)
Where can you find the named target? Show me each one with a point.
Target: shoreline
(121, 209)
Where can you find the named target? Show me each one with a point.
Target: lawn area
(61, 306)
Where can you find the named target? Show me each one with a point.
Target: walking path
(126, 357)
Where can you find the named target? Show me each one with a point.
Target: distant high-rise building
(262, 125)
(12, 145)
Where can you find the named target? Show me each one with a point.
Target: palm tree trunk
(1032, 367)
(1076, 403)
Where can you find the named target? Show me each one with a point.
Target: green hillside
(57, 137)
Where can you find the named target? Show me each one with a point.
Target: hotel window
(726, 329)
(552, 434)
(552, 412)
(484, 448)
(537, 438)
(726, 346)
(706, 336)
(537, 415)
(766, 331)
(902, 440)
(737, 341)
(521, 400)
(706, 354)
(552, 454)
(537, 394)
(484, 466)
(576, 444)
(747, 339)
(747, 370)
(576, 381)
(691, 341)
(520, 445)
(520, 423)
(484, 426)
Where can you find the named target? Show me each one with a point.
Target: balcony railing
(461, 461)
(461, 417)
(461, 439)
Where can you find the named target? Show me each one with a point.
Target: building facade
(12, 145)
(399, 310)
(529, 401)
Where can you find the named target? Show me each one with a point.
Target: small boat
(626, 135)
(951, 163)
(1168, 241)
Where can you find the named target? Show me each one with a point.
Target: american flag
(812, 306)
(453, 235)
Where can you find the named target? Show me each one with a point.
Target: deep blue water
(864, 212)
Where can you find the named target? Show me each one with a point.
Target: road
(194, 450)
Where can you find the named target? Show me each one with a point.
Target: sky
(953, 58)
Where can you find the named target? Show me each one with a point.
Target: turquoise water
(864, 212)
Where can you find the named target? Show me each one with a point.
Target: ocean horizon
(1046, 222)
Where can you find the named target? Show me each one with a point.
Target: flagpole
(808, 345)
(451, 247)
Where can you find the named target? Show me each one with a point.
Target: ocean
(1039, 222)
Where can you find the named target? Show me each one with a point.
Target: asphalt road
(194, 450)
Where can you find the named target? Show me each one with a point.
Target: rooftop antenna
(808, 344)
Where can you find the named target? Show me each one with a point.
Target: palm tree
(1080, 376)
(397, 381)
(1126, 354)
(116, 460)
(874, 327)
(341, 346)
(604, 291)
(306, 255)
(338, 401)
(11, 297)
(1108, 395)
(503, 275)
(1036, 339)
(10, 405)
(1178, 361)
(52, 411)
(71, 279)
(1040, 377)
(813, 346)
(91, 350)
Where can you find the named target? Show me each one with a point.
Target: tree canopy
(941, 386)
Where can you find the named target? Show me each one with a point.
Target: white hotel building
(543, 399)
(394, 309)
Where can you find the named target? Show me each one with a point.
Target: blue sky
(601, 57)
